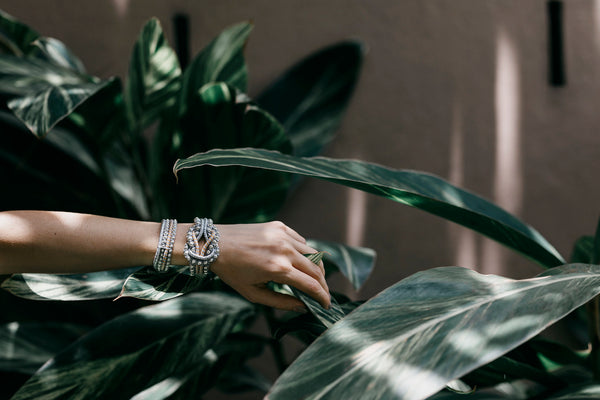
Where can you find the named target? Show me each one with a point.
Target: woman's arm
(251, 254)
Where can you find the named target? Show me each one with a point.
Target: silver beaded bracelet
(201, 257)
(166, 241)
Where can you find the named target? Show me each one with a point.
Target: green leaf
(25, 346)
(580, 392)
(46, 93)
(154, 73)
(223, 119)
(139, 349)
(54, 51)
(148, 284)
(355, 263)
(221, 61)
(15, 36)
(73, 287)
(431, 328)
(62, 163)
(424, 191)
(583, 250)
(311, 97)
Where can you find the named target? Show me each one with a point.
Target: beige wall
(454, 87)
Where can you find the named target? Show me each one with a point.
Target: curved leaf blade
(355, 263)
(72, 287)
(15, 36)
(148, 284)
(221, 61)
(26, 346)
(154, 74)
(139, 349)
(311, 97)
(54, 51)
(431, 328)
(46, 93)
(222, 118)
(417, 189)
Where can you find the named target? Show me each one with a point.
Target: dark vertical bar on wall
(181, 26)
(556, 52)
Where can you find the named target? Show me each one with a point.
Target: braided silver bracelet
(166, 241)
(200, 258)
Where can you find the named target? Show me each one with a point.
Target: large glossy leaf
(137, 350)
(311, 97)
(223, 119)
(153, 77)
(45, 93)
(148, 284)
(25, 346)
(583, 250)
(580, 392)
(221, 61)
(421, 190)
(54, 51)
(431, 328)
(62, 164)
(15, 36)
(355, 263)
(73, 287)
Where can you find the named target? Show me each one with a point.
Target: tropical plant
(441, 333)
(72, 141)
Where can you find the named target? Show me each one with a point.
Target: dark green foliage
(74, 142)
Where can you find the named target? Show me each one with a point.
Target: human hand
(253, 254)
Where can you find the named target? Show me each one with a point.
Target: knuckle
(313, 286)
(278, 225)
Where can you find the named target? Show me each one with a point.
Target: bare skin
(251, 254)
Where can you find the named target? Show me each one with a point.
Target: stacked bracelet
(201, 257)
(166, 241)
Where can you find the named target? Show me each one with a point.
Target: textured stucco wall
(454, 87)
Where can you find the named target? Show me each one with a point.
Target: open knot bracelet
(199, 255)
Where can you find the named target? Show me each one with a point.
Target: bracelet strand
(166, 241)
(201, 257)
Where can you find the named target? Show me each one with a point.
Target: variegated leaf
(137, 350)
(355, 263)
(431, 328)
(421, 190)
(311, 97)
(221, 61)
(55, 52)
(73, 287)
(25, 346)
(148, 284)
(45, 93)
(15, 36)
(154, 74)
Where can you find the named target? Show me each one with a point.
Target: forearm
(44, 241)
(251, 255)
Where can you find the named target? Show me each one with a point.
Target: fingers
(315, 271)
(295, 235)
(308, 285)
(269, 298)
(303, 248)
